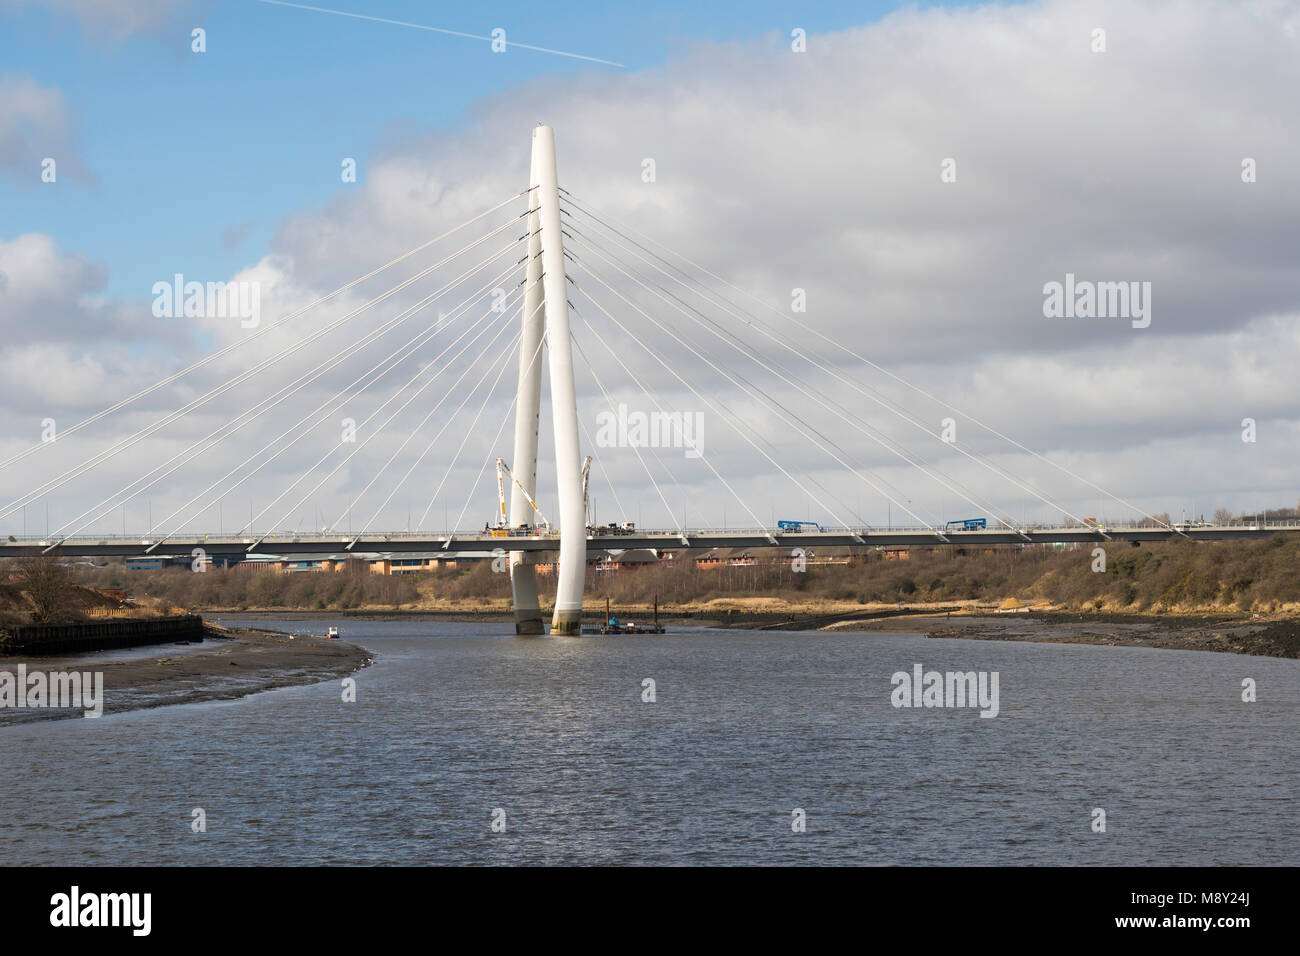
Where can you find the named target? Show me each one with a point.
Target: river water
(456, 721)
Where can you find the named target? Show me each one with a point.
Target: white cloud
(822, 171)
(35, 124)
(64, 344)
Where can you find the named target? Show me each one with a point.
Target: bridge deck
(658, 540)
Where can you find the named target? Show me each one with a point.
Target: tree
(1222, 516)
(48, 587)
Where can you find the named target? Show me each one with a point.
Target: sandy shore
(244, 662)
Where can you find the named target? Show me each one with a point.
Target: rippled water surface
(454, 720)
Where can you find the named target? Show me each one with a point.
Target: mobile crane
(502, 528)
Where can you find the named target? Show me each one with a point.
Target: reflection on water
(454, 720)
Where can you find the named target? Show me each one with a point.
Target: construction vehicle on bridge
(799, 526)
(501, 530)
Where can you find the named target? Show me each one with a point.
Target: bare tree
(48, 587)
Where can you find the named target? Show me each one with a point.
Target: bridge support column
(572, 570)
(523, 574)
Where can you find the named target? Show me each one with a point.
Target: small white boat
(332, 632)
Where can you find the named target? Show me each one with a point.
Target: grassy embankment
(1174, 577)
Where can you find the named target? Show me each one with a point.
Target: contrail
(454, 33)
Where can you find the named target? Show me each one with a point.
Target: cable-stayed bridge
(555, 288)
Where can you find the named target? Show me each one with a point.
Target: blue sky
(195, 159)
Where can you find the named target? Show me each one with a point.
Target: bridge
(520, 297)
(656, 540)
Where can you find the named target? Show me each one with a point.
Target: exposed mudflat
(1230, 635)
(246, 662)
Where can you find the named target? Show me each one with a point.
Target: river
(456, 722)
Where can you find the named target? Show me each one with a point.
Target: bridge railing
(342, 540)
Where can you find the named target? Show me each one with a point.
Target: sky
(915, 177)
(195, 159)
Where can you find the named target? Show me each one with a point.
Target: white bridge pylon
(546, 316)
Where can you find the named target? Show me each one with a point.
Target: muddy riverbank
(232, 663)
(1239, 635)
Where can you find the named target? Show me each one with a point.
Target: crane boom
(501, 492)
(504, 469)
(586, 482)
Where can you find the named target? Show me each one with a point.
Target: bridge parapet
(658, 540)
